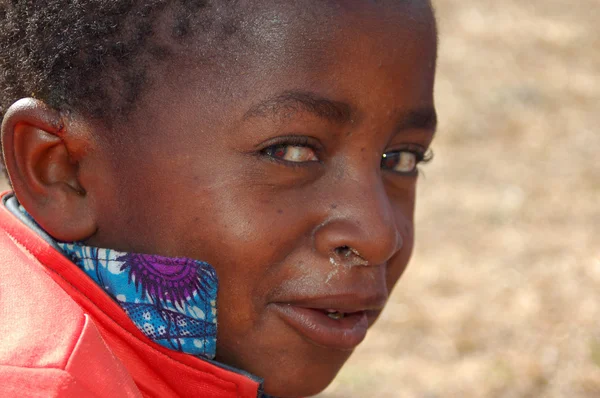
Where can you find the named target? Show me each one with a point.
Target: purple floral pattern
(171, 300)
(173, 279)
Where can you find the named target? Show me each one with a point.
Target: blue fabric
(171, 300)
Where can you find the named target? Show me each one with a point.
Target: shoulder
(47, 339)
(40, 323)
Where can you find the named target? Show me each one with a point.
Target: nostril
(350, 256)
(343, 251)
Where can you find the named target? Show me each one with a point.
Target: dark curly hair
(93, 55)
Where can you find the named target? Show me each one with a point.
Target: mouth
(335, 328)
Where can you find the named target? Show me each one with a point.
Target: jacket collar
(173, 301)
(92, 298)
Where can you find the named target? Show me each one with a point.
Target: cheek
(398, 263)
(245, 235)
(249, 243)
(249, 228)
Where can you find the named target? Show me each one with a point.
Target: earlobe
(43, 173)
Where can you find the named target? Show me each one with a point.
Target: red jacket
(62, 336)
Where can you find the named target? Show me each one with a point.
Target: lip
(311, 321)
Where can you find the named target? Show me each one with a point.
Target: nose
(363, 228)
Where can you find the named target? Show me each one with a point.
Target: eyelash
(422, 156)
(291, 141)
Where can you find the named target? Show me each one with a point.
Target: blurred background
(502, 297)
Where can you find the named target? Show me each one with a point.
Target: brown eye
(401, 162)
(292, 153)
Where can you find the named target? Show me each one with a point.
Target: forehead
(338, 49)
(276, 34)
(308, 32)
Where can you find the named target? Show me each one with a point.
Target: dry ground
(502, 298)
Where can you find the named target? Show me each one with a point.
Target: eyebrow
(424, 118)
(418, 119)
(294, 101)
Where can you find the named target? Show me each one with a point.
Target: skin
(194, 171)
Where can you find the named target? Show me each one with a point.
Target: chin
(299, 387)
(305, 379)
(291, 370)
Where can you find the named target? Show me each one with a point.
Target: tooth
(335, 315)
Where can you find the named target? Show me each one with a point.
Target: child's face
(269, 167)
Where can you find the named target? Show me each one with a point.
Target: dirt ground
(502, 297)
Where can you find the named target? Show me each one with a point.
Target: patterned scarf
(171, 300)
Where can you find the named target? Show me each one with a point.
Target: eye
(291, 153)
(404, 161)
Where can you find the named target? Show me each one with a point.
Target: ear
(38, 152)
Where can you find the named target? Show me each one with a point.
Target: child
(172, 159)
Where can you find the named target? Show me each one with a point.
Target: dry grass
(502, 298)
